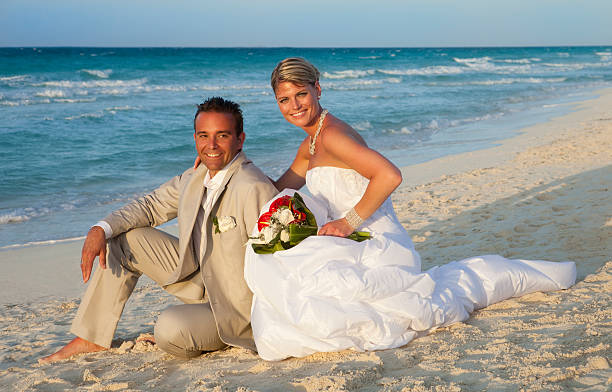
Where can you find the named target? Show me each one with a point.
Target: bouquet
(287, 222)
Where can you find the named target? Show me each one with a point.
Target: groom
(217, 205)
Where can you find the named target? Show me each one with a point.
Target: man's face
(216, 140)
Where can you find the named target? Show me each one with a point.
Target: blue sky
(311, 23)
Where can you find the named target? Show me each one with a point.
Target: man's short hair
(220, 105)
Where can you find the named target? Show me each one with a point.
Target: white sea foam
(506, 81)
(369, 57)
(576, 66)
(12, 217)
(432, 70)
(348, 74)
(51, 93)
(47, 242)
(115, 91)
(350, 85)
(515, 61)
(484, 64)
(122, 108)
(402, 130)
(362, 126)
(93, 83)
(15, 78)
(9, 103)
(84, 115)
(69, 100)
(605, 56)
(102, 74)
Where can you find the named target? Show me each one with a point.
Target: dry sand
(541, 195)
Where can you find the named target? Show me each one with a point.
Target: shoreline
(543, 194)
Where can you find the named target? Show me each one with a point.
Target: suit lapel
(240, 159)
(192, 200)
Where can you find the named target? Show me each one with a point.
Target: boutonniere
(223, 223)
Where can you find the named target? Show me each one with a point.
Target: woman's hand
(197, 162)
(338, 228)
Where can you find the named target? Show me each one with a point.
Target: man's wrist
(108, 231)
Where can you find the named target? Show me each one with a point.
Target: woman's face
(299, 104)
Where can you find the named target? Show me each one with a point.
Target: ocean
(85, 130)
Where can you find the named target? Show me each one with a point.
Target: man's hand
(95, 245)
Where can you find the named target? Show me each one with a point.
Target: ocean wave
(348, 74)
(577, 66)
(369, 57)
(23, 214)
(362, 126)
(51, 94)
(79, 100)
(432, 70)
(122, 108)
(84, 115)
(505, 81)
(25, 102)
(440, 123)
(93, 83)
(47, 242)
(402, 131)
(351, 85)
(514, 61)
(473, 60)
(12, 217)
(484, 64)
(102, 74)
(15, 78)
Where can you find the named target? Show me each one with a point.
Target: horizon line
(304, 47)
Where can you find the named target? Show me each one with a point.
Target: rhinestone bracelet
(353, 219)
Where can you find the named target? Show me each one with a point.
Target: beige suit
(220, 271)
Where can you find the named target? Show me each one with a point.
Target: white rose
(284, 216)
(284, 236)
(268, 233)
(226, 223)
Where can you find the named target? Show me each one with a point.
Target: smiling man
(203, 267)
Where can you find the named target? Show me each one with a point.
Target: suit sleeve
(257, 197)
(153, 209)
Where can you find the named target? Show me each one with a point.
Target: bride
(330, 293)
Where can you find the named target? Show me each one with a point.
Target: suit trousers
(182, 330)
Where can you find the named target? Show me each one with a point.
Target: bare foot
(76, 346)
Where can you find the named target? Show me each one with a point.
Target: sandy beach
(543, 194)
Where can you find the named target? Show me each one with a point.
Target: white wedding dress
(330, 293)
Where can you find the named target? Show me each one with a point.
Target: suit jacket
(245, 189)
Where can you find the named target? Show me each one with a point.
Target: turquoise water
(84, 130)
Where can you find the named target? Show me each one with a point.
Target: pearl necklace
(313, 140)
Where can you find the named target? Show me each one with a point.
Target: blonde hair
(295, 70)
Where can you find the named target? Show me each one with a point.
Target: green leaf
(359, 236)
(301, 206)
(297, 233)
(215, 222)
